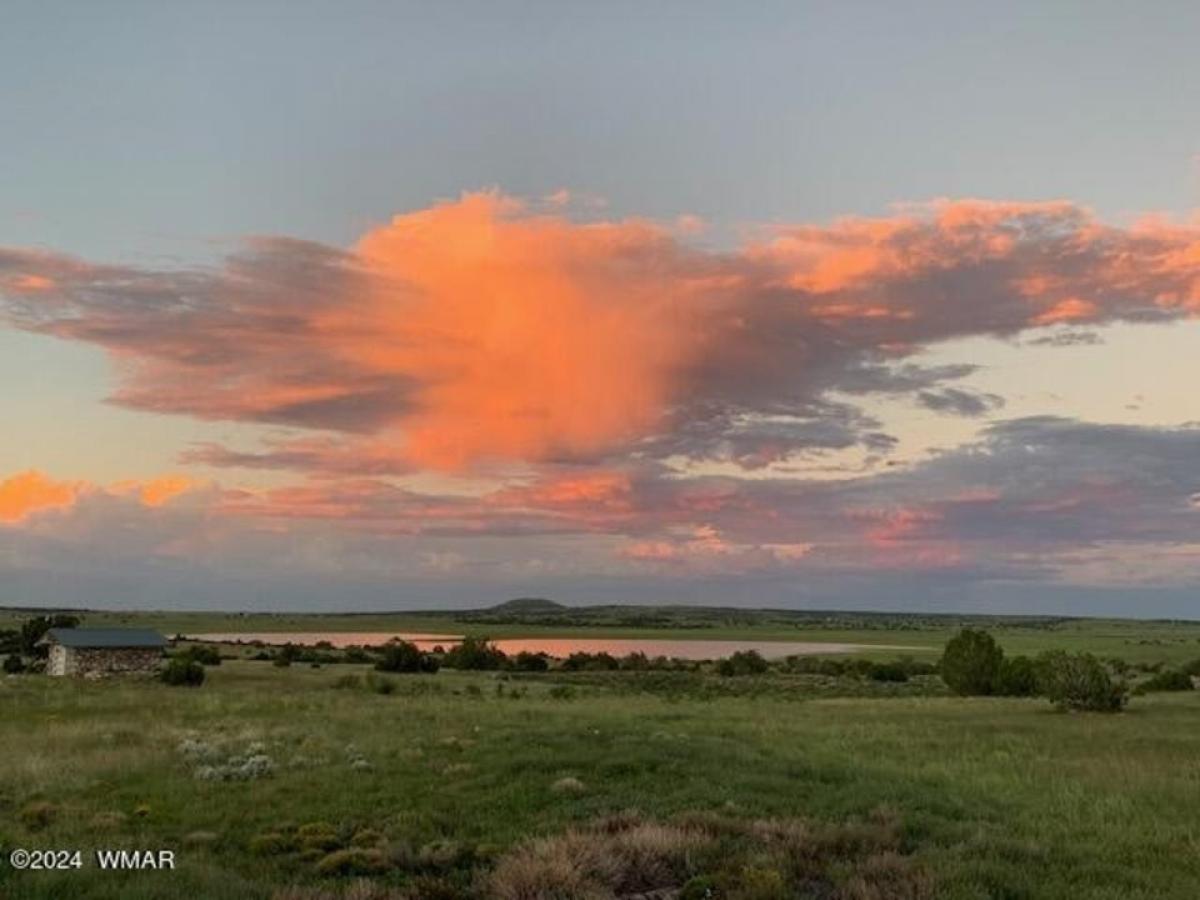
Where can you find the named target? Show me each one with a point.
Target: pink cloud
(483, 330)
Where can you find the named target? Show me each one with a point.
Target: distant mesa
(527, 606)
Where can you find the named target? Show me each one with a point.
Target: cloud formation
(482, 329)
(626, 404)
(1028, 497)
(28, 493)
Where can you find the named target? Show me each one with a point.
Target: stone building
(96, 652)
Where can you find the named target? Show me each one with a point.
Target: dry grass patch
(713, 856)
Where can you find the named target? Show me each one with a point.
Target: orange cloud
(30, 284)
(593, 490)
(156, 491)
(31, 491)
(482, 330)
(1072, 309)
(526, 335)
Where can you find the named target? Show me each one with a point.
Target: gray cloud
(958, 402)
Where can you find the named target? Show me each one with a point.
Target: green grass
(999, 798)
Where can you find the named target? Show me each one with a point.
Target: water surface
(558, 646)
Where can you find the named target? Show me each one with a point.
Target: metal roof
(94, 638)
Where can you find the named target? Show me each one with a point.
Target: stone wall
(57, 664)
(99, 662)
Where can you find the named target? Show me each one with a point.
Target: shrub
(971, 663)
(402, 656)
(1119, 666)
(183, 671)
(1166, 680)
(205, 655)
(744, 662)
(1191, 668)
(917, 666)
(290, 653)
(1079, 681)
(895, 672)
(817, 665)
(1018, 677)
(476, 653)
(530, 662)
(13, 665)
(385, 686)
(590, 662)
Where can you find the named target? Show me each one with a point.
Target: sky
(407, 305)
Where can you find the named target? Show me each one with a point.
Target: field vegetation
(395, 774)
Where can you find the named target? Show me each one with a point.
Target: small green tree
(183, 671)
(971, 663)
(1079, 682)
(403, 656)
(883, 671)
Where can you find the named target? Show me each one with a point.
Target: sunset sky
(384, 306)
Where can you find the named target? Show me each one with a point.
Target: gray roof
(92, 638)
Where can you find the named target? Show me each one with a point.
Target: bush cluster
(403, 656)
(216, 763)
(530, 662)
(899, 670)
(973, 664)
(591, 662)
(476, 653)
(744, 662)
(1166, 680)
(202, 653)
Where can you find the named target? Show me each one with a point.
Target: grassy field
(441, 780)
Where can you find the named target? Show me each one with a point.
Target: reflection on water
(560, 647)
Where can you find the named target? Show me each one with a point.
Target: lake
(558, 646)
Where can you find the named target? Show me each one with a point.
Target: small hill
(527, 606)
